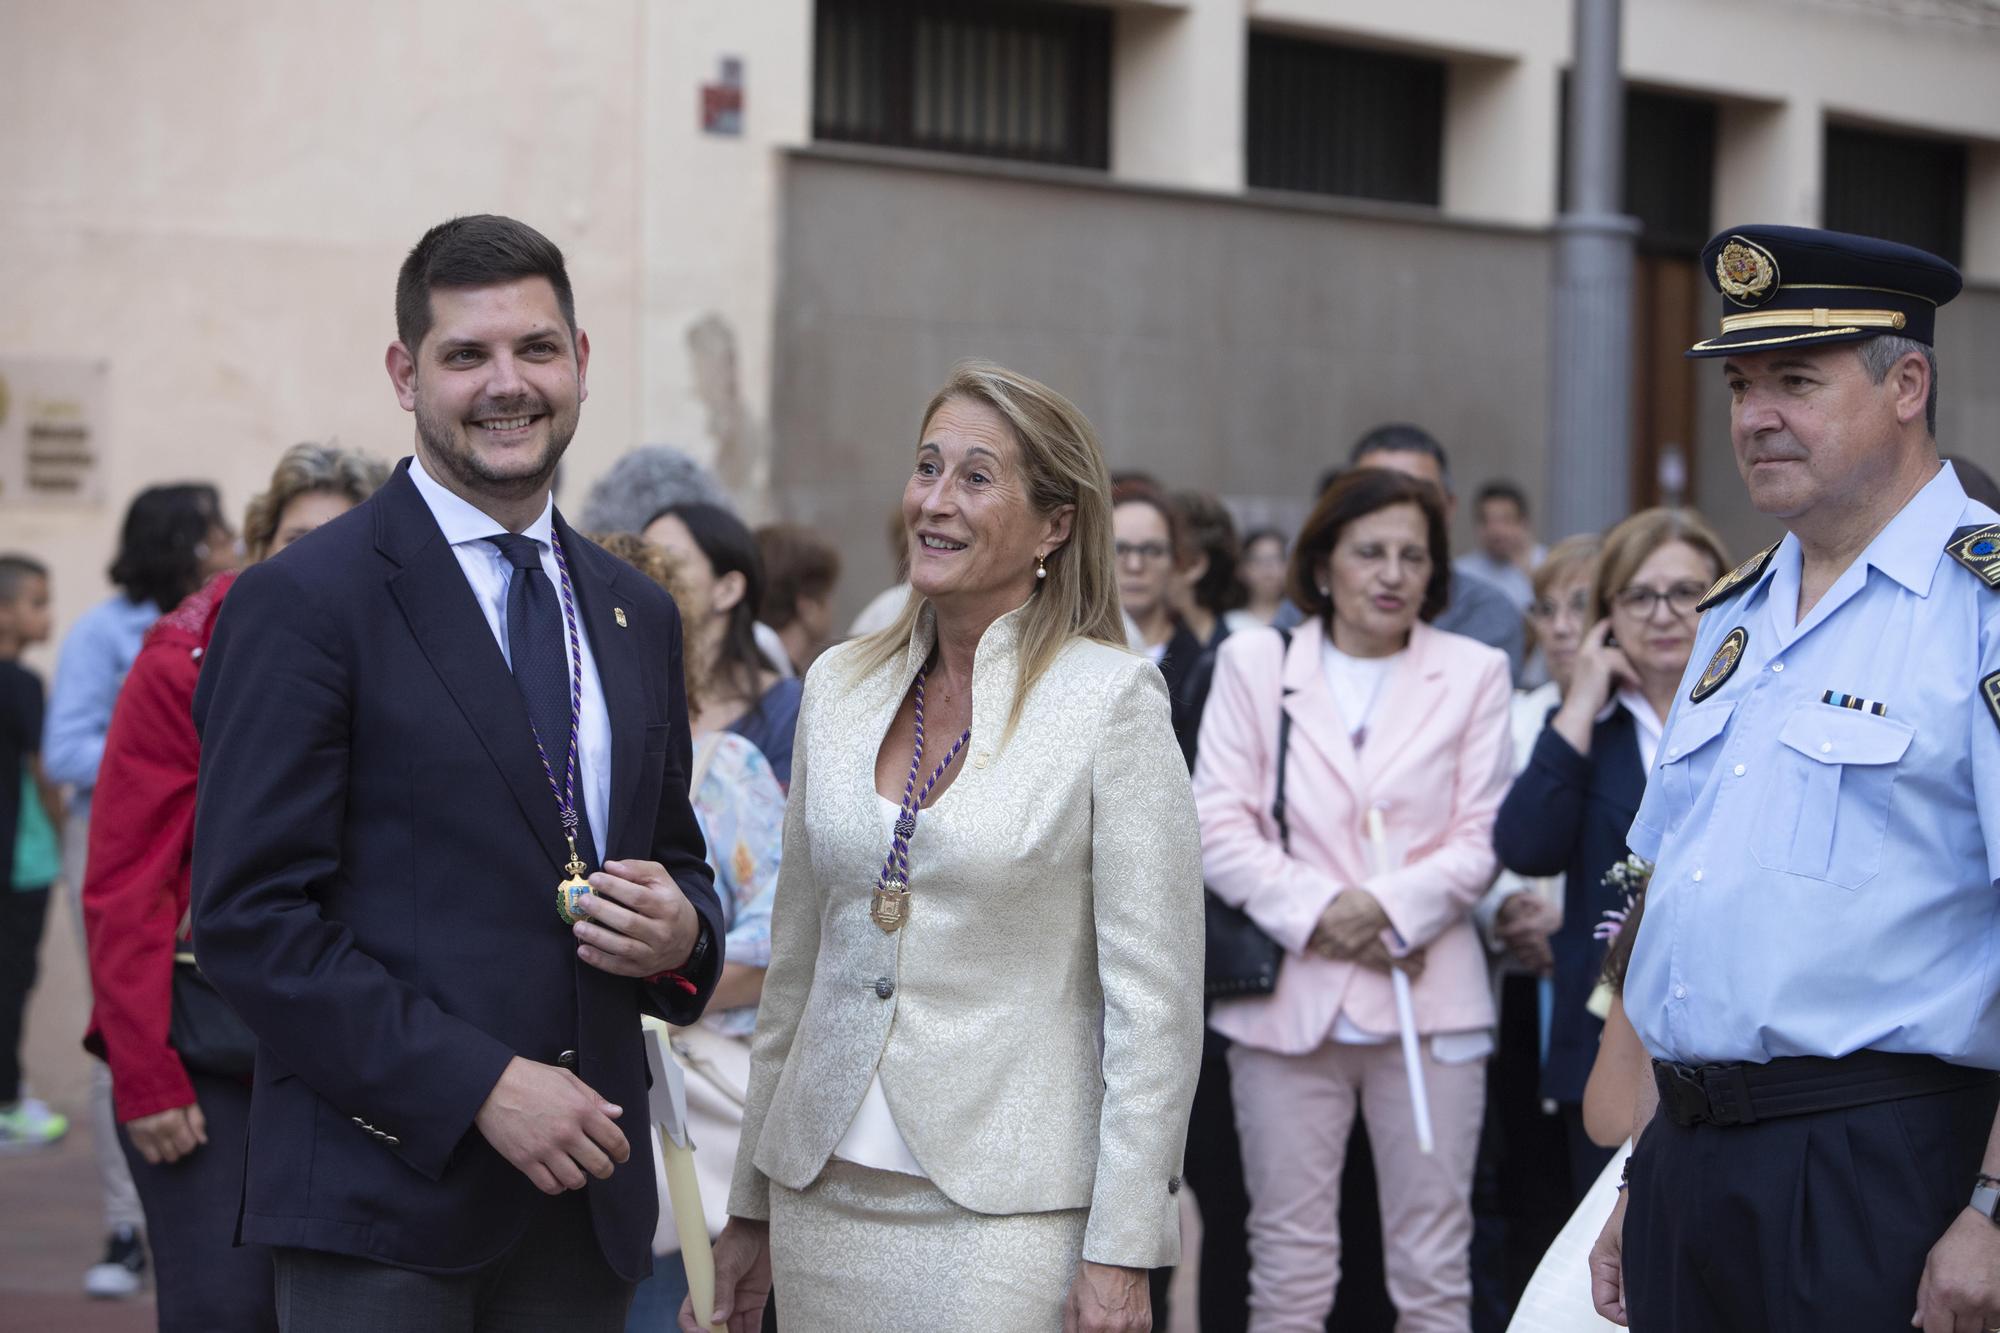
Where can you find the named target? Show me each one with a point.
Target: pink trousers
(1294, 1114)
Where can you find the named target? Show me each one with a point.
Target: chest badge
(1989, 689)
(1721, 666)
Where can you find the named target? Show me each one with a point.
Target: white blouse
(873, 1139)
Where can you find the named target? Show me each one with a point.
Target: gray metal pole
(1591, 371)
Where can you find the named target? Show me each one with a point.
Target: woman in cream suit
(1390, 715)
(981, 1024)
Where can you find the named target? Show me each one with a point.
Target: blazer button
(391, 1141)
(1173, 1184)
(884, 988)
(567, 1059)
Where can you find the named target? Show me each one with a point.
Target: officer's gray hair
(1881, 355)
(646, 482)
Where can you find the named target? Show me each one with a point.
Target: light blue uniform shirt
(1825, 877)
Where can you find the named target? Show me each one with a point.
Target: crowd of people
(951, 916)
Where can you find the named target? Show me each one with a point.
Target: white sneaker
(29, 1125)
(121, 1272)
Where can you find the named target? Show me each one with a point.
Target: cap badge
(1747, 273)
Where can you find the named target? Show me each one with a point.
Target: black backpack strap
(1284, 748)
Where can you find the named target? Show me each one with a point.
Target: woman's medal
(892, 904)
(891, 908)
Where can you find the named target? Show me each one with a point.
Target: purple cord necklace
(891, 908)
(573, 888)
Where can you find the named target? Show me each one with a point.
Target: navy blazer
(1567, 814)
(376, 857)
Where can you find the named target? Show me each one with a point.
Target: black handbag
(1241, 958)
(203, 1030)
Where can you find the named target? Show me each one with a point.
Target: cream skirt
(867, 1251)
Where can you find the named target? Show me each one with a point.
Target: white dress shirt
(488, 573)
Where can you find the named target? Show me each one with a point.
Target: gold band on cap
(1818, 317)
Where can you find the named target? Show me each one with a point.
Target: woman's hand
(1352, 921)
(165, 1137)
(742, 1278)
(1107, 1299)
(1524, 925)
(1601, 670)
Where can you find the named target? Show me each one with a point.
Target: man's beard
(449, 443)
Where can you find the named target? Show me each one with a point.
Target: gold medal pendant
(892, 905)
(571, 891)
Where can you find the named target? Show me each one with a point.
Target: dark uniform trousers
(1816, 1223)
(552, 1280)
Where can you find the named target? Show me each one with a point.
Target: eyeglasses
(1640, 600)
(1578, 607)
(1146, 552)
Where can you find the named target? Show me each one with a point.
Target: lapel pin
(618, 614)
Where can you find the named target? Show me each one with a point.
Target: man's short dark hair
(1502, 490)
(475, 251)
(15, 570)
(1400, 437)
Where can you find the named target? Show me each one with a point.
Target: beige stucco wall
(214, 203)
(211, 198)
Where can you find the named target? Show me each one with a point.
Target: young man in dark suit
(416, 724)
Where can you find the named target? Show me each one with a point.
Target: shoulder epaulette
(1738, 576)
(1978, 549)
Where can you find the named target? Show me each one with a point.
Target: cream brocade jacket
(1041, 1030)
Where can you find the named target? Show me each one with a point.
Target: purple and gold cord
(566, 791)
(896, 868)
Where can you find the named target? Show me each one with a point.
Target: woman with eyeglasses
(1148, 545)
(1568, 812)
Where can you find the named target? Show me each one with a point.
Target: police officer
(1817, 977)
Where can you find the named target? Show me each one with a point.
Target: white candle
(1406, 1007)
(684, 1192)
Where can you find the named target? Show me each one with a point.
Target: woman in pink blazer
(1391, 715)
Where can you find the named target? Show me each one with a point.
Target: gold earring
(1041, 568)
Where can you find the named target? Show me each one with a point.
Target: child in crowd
(29, 856)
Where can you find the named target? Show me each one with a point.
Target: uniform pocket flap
(1693, 729)
(1842, 736)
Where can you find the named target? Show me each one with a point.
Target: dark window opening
(1025, 81)
(1343, 120)
(1670, 170)
(1897, 186)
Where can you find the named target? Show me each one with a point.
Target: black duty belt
(1799, 1085)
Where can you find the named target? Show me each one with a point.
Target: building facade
(1237, 232)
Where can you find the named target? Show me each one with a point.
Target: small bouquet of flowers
(1627, 878)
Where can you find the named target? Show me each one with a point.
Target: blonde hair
(1063, 465)
(308, 469)
(659, 565)
(1566, 559)
(1628, 546)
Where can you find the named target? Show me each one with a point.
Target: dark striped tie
(540, 657)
